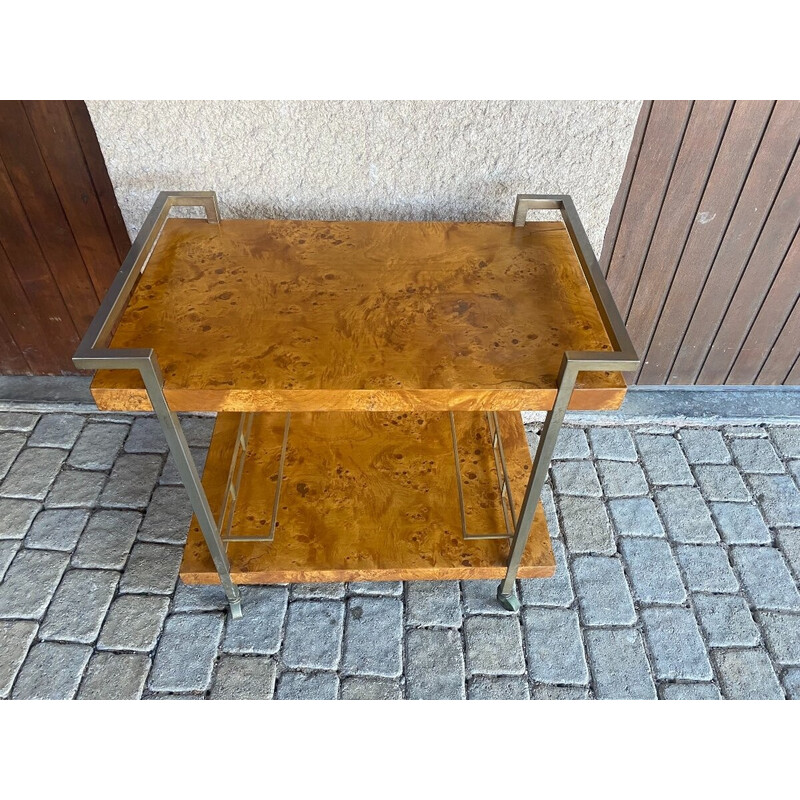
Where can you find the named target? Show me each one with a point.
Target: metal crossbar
(231, 492)
(503, 483)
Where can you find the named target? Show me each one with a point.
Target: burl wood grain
(367, 496)
(272, 315)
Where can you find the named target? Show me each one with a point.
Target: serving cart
(367, 378)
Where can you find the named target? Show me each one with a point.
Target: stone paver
(675, 642)
(30, 582)
(602, 591)
(498, 687)
(587, 528)
(746, 675)
(791, 682)
(146, 436)
(434, 665)
(189, 597)
(545, 692)
(308, 686)
(244, 678)
(787, 440)
(57, 430)
(663, 460)
(782, 633)
(114, 676)
(690, 691)
(789, 543)
(493, 646)
(652, 570)
(74, 523)
(766, 578)
(313, 638)
(554, 646)
(16, 637)
(197, 430)
(259, 630)
(152, 569)
(685, 515)
(622, 479)
(480, 597)
(16, 517)
(373, 640)
(11, 445)
(555, 591)
(740, 523)
(726, 621)
(619, 665)
(331, 591)
(706, 568)
(704, 446)
(32, 473)
(550, 513)
(168, 516)
(169, 475)
(107, 540)
(17, 420)
(79, 606)
(8, 549)
(134, 623)
(576, 478)
(393, 588)
(756, 455)
(57, 529)
(186, 653)
(571, 443)
(613, 444)
(131, 482)
(358, 688)
(51, 671)
(721, 482)
(779, 499)
(635, 516)
(75, 488)
(433, 603)
(98, 445)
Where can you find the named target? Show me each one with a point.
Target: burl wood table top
(275, 315)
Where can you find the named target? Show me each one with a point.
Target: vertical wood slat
(793, 377)
(87, 138)
(620, 201)
(754, 286)
(736, 153)
(771, 321)
(20, 319)
(704, 258)
(32, 183)
(42, 299)
(62, 236)
(784, 351)
(660, 146)
(10, 354)
(52, 127)
(695, 160)
(766, 174)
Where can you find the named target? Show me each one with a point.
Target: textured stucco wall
(368, 160)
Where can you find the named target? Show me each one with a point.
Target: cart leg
(179, 448)
(506, 592)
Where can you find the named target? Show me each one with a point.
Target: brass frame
(94, 353)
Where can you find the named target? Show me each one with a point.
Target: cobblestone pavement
(678, 554)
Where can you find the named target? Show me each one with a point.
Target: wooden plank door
(62, 237)
(702, 251)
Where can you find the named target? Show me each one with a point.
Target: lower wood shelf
(367, 496)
